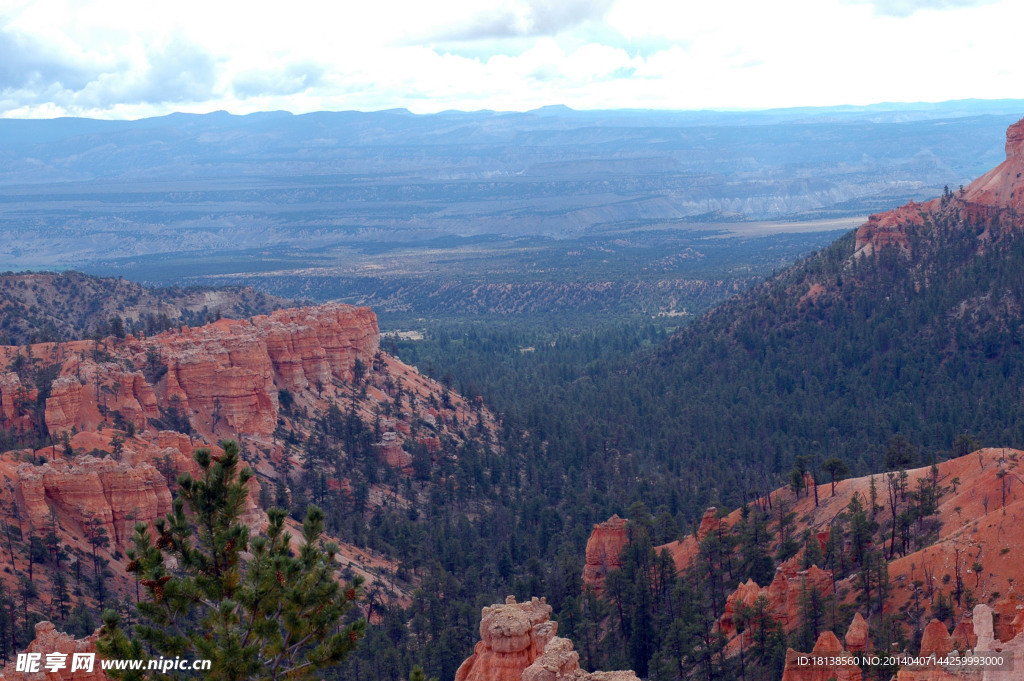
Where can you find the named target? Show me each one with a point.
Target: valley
(707, 440)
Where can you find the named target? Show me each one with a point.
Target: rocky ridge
(994, 201)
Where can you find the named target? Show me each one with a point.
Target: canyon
(125, 415)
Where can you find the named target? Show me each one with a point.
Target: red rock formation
(709, 523)
(14, 398)
(113, 495)
(889, 229)
(518, 643)
(784, 596)
(936, 640)
(745, 595)
(49, 640)
(1001, 185)
(789, 587)
(826, 646)
(1008, 614)
(604, 549)
(857, 640)
(987, 644)
(86, 393)
(963, 636)
(311, 345)
(225, 376)
(512, 636)
(392, 452)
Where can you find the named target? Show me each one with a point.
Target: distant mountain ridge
(81, 192)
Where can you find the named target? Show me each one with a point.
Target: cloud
(179, 71)
(905, 8)
(522, 18)
(172, 71)
(286, 80)
(25, 62)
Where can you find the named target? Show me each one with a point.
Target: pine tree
(274, 616)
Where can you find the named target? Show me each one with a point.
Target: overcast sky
(130, 59)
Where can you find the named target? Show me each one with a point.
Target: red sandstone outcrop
(48, 640)
(604, 549)
(392, 452)
(963, 635)
(512, 636)
(889, 228)
(709, 523)
(14, 398)
(784, 595)
(112, 495)
(745, 596)
(1001, 186)
(518, 643)
(86, 392)
(826, 646)
(936, 640)
(224, 377)
(310, 346)
(857, 640)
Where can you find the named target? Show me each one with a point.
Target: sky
(130, 59)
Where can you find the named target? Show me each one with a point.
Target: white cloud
(120, 58)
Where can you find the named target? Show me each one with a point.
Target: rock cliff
(994, 200)
(93, 496)
(226, 376)
(223, 379)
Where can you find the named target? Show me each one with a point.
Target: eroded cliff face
(994, 201)
(518, 643)
(224, 378)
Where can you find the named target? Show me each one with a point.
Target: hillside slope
(911, 325)
(46, 306)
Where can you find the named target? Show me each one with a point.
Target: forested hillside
(48, 306)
